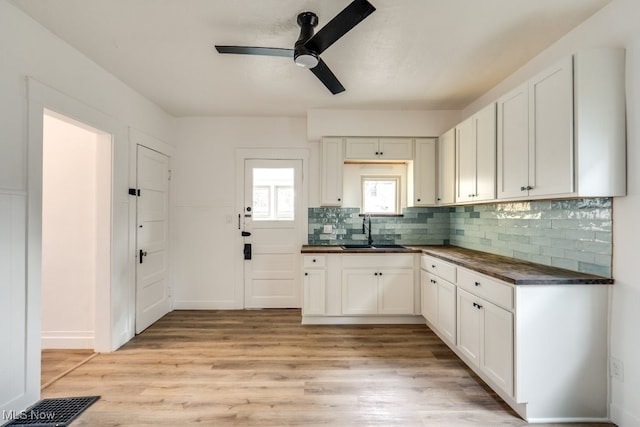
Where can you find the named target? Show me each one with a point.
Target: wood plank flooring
(56, 362)
(263, 368)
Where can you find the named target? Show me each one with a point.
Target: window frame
(396, 179)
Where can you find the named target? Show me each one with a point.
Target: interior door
(272, 230)
(152, 296)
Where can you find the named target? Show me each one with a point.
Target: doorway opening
(76, 242)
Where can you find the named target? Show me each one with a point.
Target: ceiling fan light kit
(309, 46)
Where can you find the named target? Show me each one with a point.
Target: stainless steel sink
(381, 246)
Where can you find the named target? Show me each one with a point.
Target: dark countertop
(507, 269)
(512, 270)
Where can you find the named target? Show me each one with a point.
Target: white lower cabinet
(360, 288)
(377, 284)
(439, 305)
(314, 284)
(485, 337)
(542, 348)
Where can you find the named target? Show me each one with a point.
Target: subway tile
(569, 264)
(581, 256)
(558, 232)
(599, 270)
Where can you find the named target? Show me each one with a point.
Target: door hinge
(134, 192)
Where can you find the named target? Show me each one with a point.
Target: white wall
(69, 221)
(615, 25)
(204, 217)
(379, 123)
(27, 49)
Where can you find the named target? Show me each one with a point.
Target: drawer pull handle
(477, 283)
(306, 274)
(433, 281)
(375, 274)
(314, 260)
(476, 305)
(433, 266)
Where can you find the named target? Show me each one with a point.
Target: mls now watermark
(28, 416)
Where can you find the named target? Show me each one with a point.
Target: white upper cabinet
(422, 182)
(380, 149)
(446, 168)
(331, 172)
(535, 143)
(562, 133)
(475, 157)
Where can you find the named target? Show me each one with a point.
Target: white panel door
(497, 346)
(359, 291)
(273, 231)
(513, 143)
(152, 289)
(551, 133)
(395, 291)
(466, 160)
(469, 326)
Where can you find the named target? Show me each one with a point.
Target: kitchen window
(381, 195)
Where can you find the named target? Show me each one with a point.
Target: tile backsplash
(418, 226)
(573, 234)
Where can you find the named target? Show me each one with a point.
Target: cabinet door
(359, 291)
(469, 326)
(485, 129)
(465, 161)
(446, 167)
(429, 303)
(497, 346)
(395, 291)
(424, 173)
(395, 148)
(361, 149)
(331, 172)
(447, 310)
(551, 168)
(313, 293)
(513, 143)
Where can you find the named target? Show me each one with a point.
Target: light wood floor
(56, 362)
(264, 368)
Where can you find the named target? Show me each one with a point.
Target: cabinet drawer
(315, 261)
(485, 287)
(439, 268)
(378, 261)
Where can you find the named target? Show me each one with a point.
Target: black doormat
(58, 412)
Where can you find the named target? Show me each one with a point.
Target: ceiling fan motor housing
(303, 56)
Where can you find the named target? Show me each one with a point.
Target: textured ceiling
(409, 54)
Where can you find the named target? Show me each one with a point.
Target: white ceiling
(409, 54)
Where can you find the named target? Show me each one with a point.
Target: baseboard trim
(362, 320)
(622, 417)
(67, 340)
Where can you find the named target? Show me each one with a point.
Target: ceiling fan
(308, 47)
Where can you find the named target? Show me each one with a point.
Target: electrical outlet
(327, 229)
(617, 369)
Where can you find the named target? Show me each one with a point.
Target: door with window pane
(272, 227)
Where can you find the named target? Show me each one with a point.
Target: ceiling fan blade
(324, 74)
(250, 50)
(344, 21)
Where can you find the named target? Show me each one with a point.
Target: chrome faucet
(367, 228)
